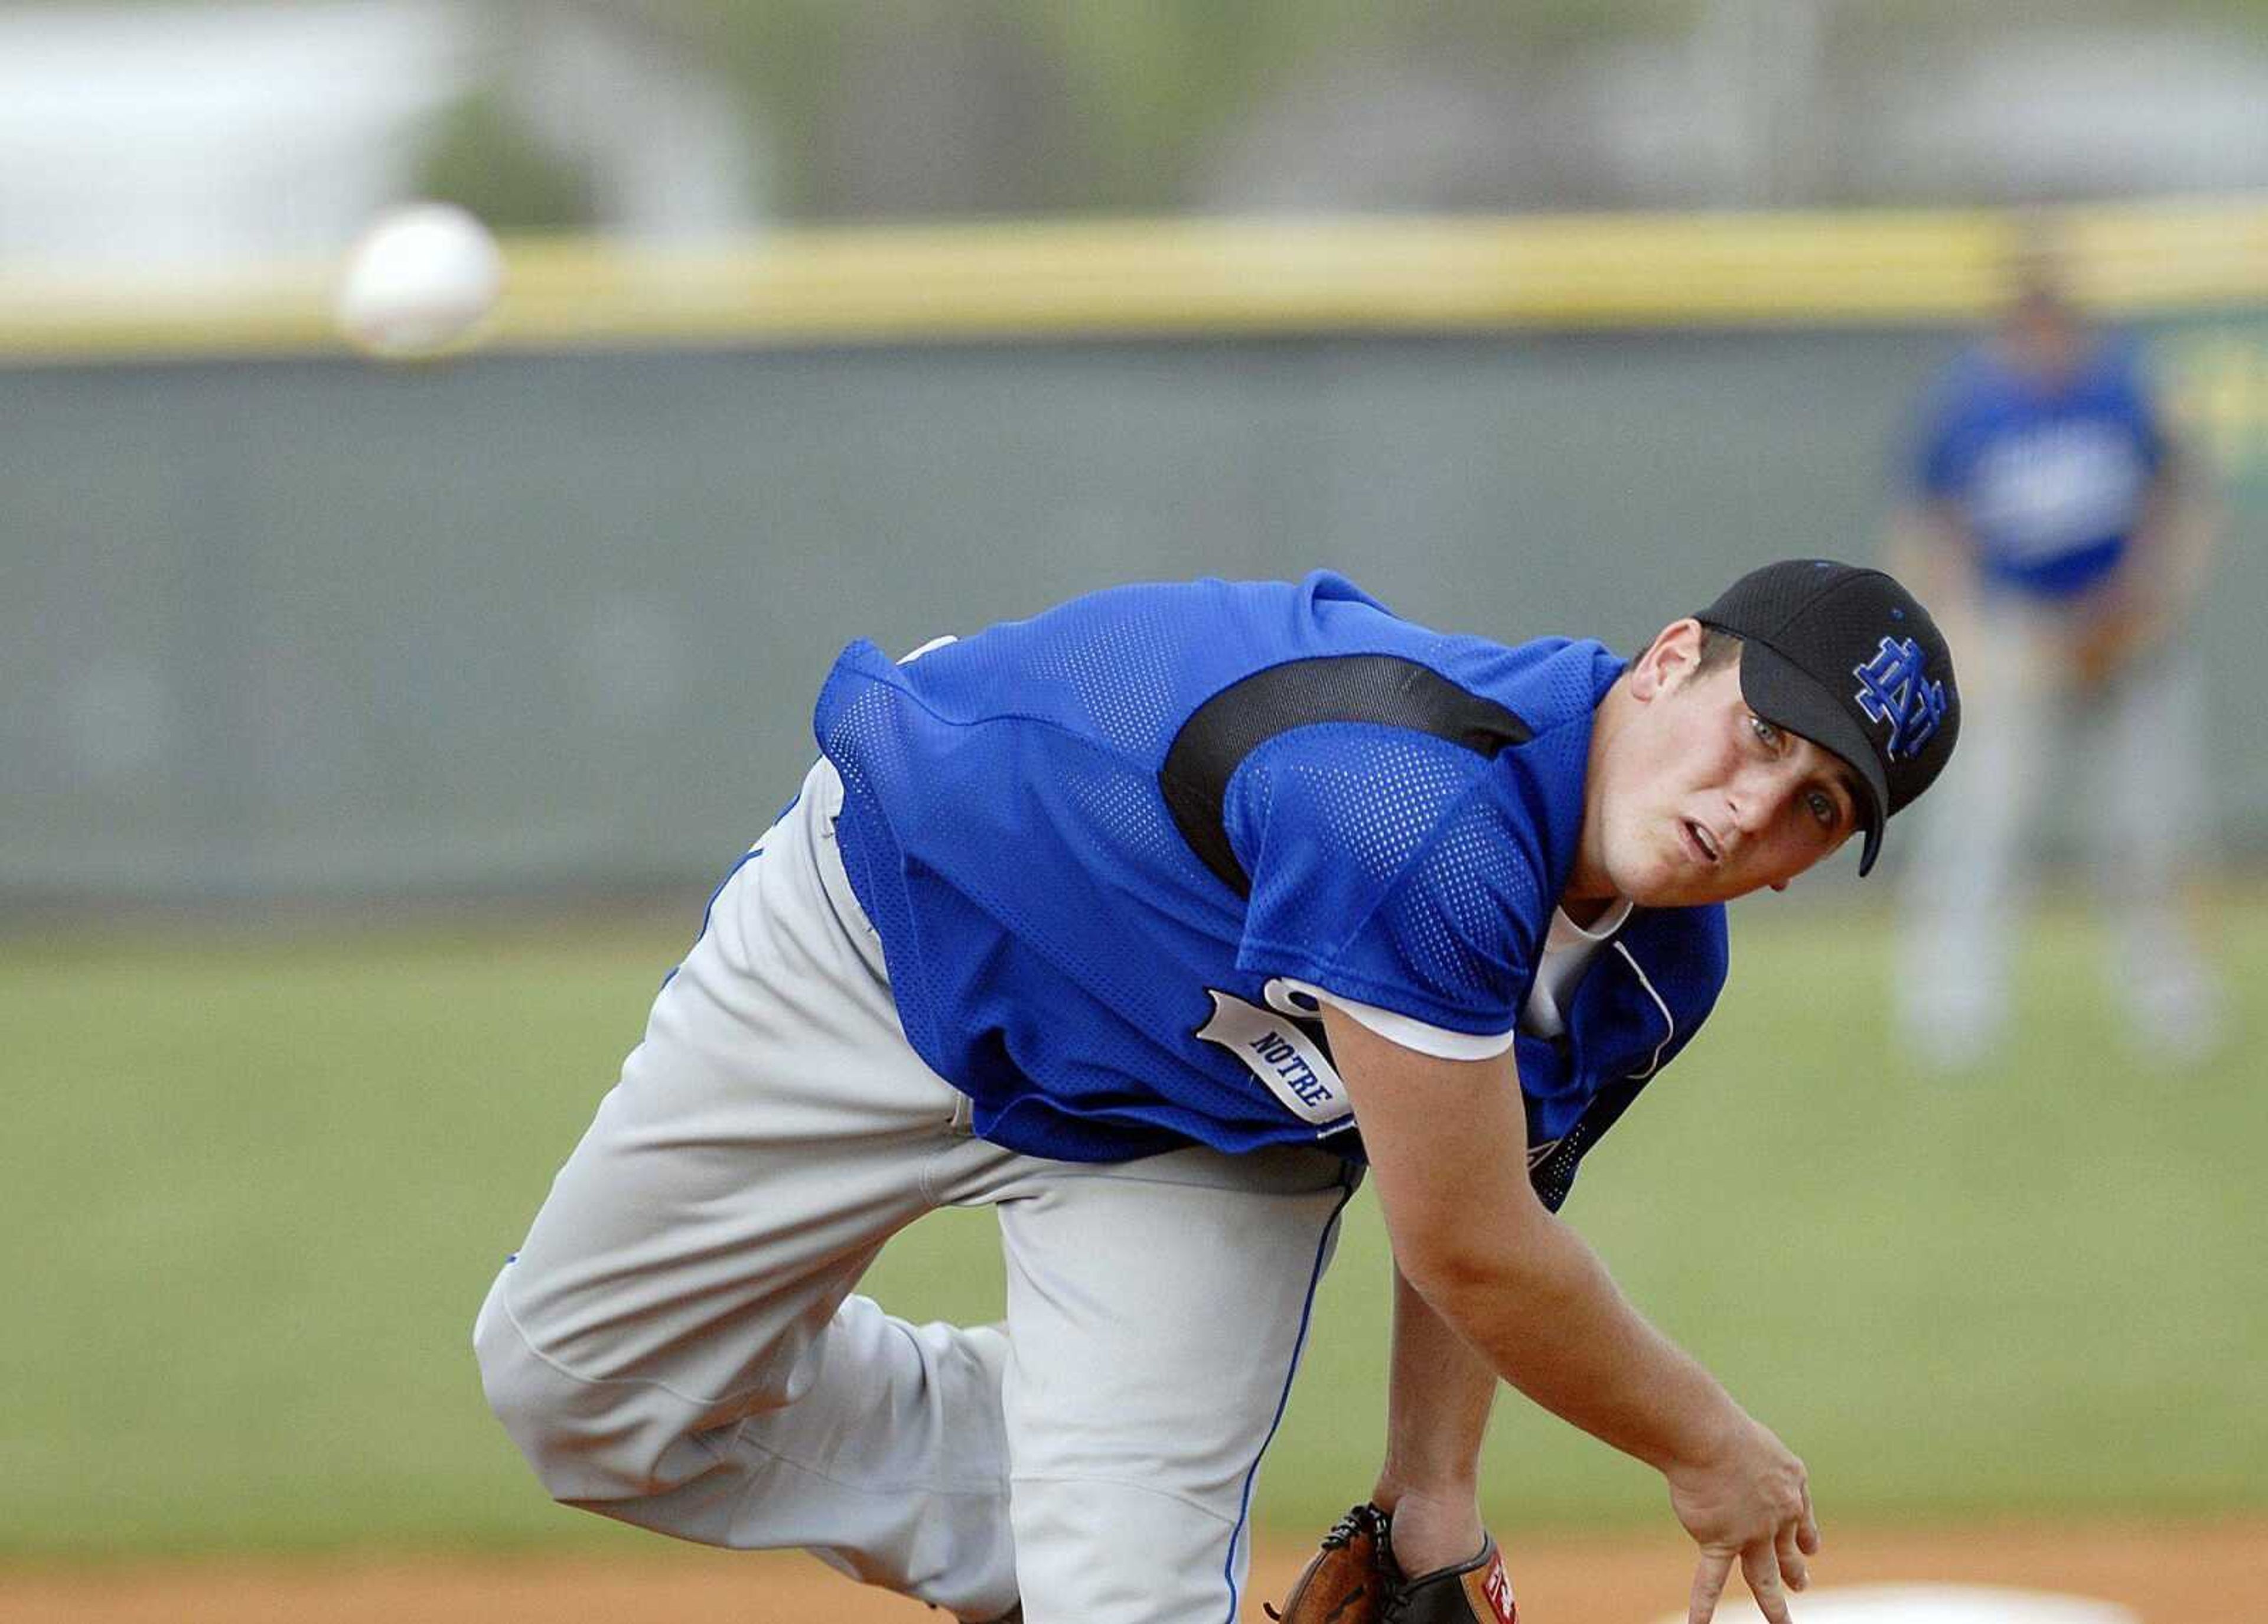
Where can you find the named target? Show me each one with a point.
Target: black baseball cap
(1848, 658)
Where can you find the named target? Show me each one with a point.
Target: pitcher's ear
(1670, 657)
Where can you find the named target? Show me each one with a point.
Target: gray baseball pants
(676, 1344)
(2140, 783)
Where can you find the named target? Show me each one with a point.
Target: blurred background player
(2066, 541)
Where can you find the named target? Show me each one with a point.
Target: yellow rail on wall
(1187, 278)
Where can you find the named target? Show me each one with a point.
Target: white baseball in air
(422, 281)
(1928, 1603)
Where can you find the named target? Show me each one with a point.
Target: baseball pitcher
(1154, 922)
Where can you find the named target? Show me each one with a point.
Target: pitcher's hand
(1749, 1502)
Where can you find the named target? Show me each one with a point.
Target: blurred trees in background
(479, 154)
(991, 106)
(863, 109)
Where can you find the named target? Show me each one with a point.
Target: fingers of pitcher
(1709, 1577)
(1760, 1566)
(1793, 1571)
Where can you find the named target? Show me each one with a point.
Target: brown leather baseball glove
(1354, 1579)
(1345, 1581)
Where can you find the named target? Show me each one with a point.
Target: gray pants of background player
(2137, 744)
(676, 1345)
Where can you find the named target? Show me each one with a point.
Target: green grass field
(256, 1187)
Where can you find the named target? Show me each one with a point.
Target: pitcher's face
(1699, 799)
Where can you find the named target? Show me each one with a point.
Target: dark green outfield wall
(306, 627)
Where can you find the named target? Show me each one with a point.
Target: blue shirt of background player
(1058, 948)
(2049, 479)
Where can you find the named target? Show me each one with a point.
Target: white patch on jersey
(1285, 1059)
(2058, 486)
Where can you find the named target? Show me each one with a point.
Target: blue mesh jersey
(1109, 849)
(2049, 480)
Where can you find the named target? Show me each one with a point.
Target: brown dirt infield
(2213, 1573)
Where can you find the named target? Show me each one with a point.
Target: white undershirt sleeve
(1568, 951)
(1410, 1032)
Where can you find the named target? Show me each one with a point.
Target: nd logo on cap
(1894, 687)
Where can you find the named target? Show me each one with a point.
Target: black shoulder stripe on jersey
(1384, 688)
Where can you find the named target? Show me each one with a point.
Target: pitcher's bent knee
(586, 1440)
